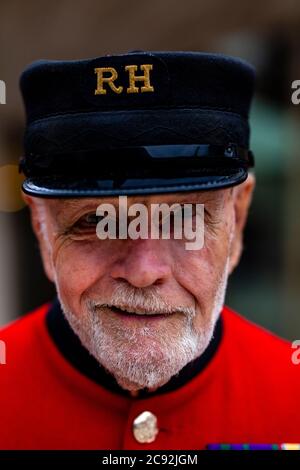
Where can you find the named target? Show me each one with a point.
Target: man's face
(144, 308)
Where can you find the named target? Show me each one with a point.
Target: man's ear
(242, 196)
(38, 213)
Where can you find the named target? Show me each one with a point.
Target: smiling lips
(138, 313)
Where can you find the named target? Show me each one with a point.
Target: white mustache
(140, 302)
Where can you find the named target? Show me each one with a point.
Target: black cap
(136, 123)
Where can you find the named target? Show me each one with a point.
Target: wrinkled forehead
(214, 198)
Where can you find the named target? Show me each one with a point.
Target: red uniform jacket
(248, 392)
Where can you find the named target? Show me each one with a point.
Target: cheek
(200, 271)
(78, 266)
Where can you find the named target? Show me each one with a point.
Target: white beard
(143, 357)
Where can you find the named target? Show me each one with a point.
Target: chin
(146, 364)
(140, 357)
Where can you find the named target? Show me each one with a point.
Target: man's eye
(87, 221)
(188, 211)
(91, 219)
(192, 210)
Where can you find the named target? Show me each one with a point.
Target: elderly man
(138, 352)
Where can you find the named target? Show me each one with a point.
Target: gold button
(145, 427)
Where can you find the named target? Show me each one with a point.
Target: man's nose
(142, 263)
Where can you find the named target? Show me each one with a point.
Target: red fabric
(249, 392)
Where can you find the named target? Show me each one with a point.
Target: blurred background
(266, 285)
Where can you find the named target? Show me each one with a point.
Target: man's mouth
(138, 313)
